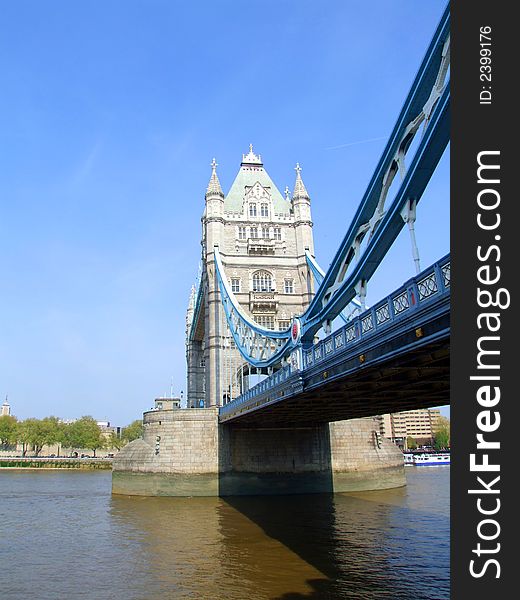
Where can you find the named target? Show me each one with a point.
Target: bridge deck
(401, 364)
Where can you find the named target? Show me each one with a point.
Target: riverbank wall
(56, 463)
(186, 452)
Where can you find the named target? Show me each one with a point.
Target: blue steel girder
(414, 304)
(318, 273)
(429, 152)
(259, 346)
(199, 303)
(428, 103)
(421, 105)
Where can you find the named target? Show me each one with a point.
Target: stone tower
(5, 409)
(262, 237)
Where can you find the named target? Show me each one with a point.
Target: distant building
(6, 408)
(417, 424)
(107, 430)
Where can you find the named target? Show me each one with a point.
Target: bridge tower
(262, 236)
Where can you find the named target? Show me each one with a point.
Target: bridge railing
(426, 287)
(430, 283)
(263, 386)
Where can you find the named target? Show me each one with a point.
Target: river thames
(63, 536)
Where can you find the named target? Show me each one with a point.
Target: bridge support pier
(187, 453)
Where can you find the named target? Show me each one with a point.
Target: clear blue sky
(110, 113)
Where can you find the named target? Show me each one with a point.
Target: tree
(133, 431)
(8, 429)
(37, 433)
(114, 441)
(84, 433)
(411, 443)
(441, 438)
(61, 434)
(23, 434)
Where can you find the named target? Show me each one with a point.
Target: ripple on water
(64, 535)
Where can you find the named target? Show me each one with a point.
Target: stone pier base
(187, 453)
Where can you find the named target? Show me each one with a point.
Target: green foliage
(411, 443)
(23, 434)
(114, 441)
(84, 433)
(8, 429)
(133, 431)
(37, 433)
(442, 437)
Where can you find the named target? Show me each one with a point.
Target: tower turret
(213, 219)
(301, 204)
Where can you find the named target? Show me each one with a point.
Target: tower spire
(299, 187)
(214, 186)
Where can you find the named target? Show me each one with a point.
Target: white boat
(408, 459)
(431, 459)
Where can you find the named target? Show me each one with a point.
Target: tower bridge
(286, 364)
(390, 358)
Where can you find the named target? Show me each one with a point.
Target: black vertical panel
(476, 128)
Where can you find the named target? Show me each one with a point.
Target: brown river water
(63, 536)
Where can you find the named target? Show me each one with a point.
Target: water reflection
(74, 540)
(383, 544)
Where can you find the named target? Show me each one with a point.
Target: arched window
(252, 210)
(264, 210)
(253, 232)
(265, 232)
(262, 281)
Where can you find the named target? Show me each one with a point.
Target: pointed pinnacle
(214, 186)
(299, 187)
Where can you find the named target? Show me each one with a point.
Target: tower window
(277, 233)
(266, 321)
(235, 285)
(283, 325)
(242, 233)
(288, 286)
(262, 282)
(264, 210)
(252, 210)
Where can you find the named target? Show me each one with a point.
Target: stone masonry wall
(188, 443)
(281, 450)
(196, 456)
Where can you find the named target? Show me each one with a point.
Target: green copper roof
(250, 173)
